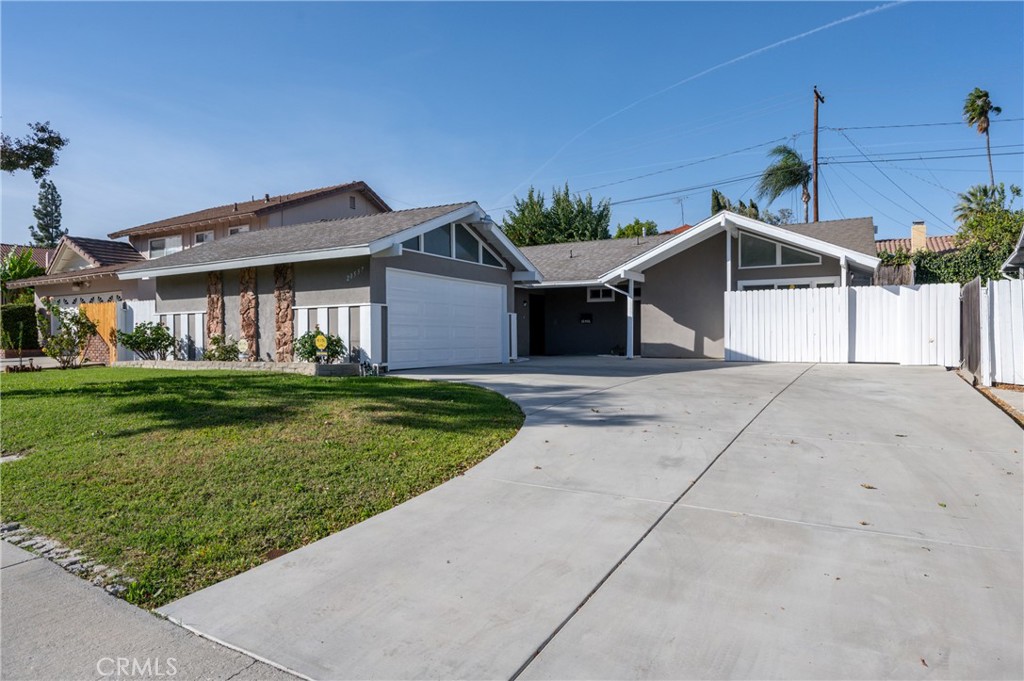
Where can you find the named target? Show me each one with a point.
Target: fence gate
(102, 346)
(970, 326)
(886, 324)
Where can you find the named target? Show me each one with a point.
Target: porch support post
(844, 273)
(629, 321)
(728, 261)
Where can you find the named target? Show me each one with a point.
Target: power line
(890, 200)
(924, 151)
(687, 165)
(869, 204)
(828, 190)
(709, 185)
(915, 125)
(923, 158)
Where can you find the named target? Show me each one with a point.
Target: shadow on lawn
(189, 401)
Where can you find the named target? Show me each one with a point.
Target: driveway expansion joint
(654, 525)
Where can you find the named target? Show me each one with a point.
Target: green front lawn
(182, 479)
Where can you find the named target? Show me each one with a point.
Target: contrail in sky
(703, 73)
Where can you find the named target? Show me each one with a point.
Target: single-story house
(665, 292)
(411, 288)
(918, 241)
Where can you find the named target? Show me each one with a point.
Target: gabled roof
(100, 252)
(606, 261)
(104, 258)
(586, 261)
(325, 240)
(40, 256)
(243, 209)
(731, 222)
(936, 244)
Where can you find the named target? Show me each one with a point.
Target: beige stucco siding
(682, 304)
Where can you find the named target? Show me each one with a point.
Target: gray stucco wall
(444, 267)
(522, 309)
(332, 282)
(183, 293)
(683, 303)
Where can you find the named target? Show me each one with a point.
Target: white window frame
(604, 294)
(778, 254)
(169, 246)
(238, 229)
(479, 256)
(814, 282)
(206, 232)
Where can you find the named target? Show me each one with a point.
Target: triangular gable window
(757, 252)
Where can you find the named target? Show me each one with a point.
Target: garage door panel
(436, 321)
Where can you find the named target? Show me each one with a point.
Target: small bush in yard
(68, 343)
(149, 340)
(19, 327)
(306, 350)
(222, 349)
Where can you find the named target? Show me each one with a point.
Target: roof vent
(236, 206)
(266, 198)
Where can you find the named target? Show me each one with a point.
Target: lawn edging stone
(304, 368)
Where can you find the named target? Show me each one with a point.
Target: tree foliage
(47, 231)
(17, 322)
(988, 234)
(978, 109)
(636, 228)
(788, 172)
(18, 264)
(148, 340)
(720, 202)
(569, 218)
(36, 152)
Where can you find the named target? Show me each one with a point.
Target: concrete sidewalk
(54, 625)
(847, 522)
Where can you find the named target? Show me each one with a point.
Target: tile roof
(255, 207)
(938, 244)
(40, 256)
(678, 230)
(588, 260)
(103, 252)
(311, 236)
(855, 234)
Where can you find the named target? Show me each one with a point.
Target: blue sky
(174, 107)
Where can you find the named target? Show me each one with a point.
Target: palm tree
(979, 199)
(788, 172)
(977, 108)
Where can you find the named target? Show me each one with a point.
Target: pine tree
(47, 232)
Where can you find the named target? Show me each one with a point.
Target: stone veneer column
(248, 307)
(214, 305)
(284, 315)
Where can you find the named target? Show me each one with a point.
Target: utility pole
(818, 98)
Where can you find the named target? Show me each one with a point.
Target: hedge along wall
(13, 316)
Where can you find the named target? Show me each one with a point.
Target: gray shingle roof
(587, 260)
(855, 234)
(311, 236)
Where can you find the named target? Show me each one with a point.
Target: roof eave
(252, 261)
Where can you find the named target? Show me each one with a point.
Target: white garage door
(437, 321)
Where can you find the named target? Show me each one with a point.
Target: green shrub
(306, 350)
(18, 323)
(67, 344)
(222, 349)
(149, 340)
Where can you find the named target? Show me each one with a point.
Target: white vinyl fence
(1002, 332)
(886, 324)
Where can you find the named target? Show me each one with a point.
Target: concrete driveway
(675, 519)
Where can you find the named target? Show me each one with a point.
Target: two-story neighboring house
(84, 271)
(163, 237)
